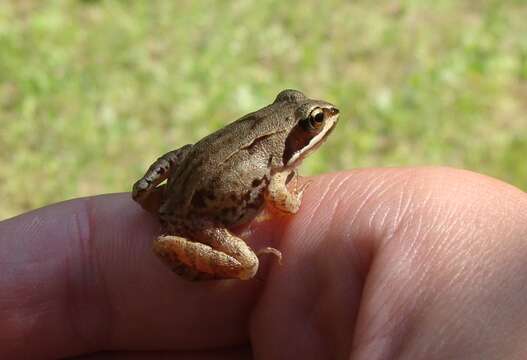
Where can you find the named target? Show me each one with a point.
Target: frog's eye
(316, 119)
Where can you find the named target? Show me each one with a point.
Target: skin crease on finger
(406, 265)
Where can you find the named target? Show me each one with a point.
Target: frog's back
(224, 175)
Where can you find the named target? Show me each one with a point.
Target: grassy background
(92, 91)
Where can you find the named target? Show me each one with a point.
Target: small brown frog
(225, 180)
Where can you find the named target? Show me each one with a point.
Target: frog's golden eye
(316, 118)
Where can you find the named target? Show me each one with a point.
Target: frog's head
(311, 123)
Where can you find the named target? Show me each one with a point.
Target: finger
(309, 306)
(350, 269)
(80, 276)
(449, 283)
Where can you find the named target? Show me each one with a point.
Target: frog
(226, 179)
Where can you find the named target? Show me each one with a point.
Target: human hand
(380, 263)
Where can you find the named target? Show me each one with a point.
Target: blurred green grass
(92, 91)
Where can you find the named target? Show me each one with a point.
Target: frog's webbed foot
(144, 188)
(212, 253)
(280, 197)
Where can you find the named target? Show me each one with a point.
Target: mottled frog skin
(226, 178)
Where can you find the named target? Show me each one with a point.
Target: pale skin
(378, 264)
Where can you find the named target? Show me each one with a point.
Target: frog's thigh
(183, 270)
(224, 255)
(280, 197)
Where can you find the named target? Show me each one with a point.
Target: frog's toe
(270, 251)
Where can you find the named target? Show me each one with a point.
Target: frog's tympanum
(226, 178)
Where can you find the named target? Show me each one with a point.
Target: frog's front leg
(157, 173)
(212, 251)
(280, 197)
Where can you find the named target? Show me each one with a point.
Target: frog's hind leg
(180, 268)
(214, 253)
(157, 173)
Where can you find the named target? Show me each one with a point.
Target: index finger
(79, 276)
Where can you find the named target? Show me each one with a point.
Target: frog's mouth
(298, 146)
